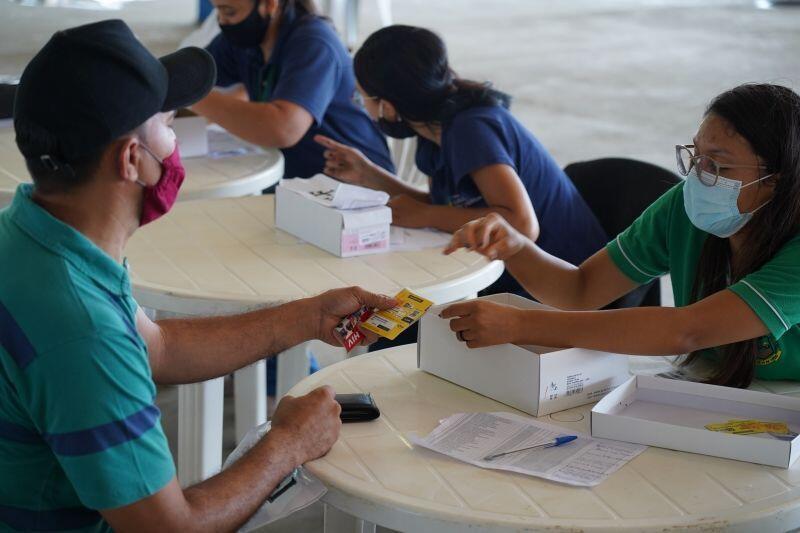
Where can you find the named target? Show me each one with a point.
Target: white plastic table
(375, 476)
(205, 177)
(225, 256)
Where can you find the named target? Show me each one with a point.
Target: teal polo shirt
(79, 430)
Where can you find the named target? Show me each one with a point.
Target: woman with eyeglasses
(728, 235)
(297, 80)
(479, 158)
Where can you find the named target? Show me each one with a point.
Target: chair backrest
(403, 153)
(617, 191)
(7, 92)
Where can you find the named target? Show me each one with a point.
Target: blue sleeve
(223, 56)
(476, 142)
(310, 74)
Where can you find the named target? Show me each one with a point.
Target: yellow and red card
(388, 323)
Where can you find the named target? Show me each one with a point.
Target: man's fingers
(457, 310)
(374, 300)
(325, 390)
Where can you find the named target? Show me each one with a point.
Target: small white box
(192, 136)
(533, 379)
(342, 232)
(672, 414)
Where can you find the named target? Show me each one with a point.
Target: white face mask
(715, 209)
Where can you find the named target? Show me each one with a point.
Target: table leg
(250, 397)
(337, 521)
(200, 430)
(292, 368)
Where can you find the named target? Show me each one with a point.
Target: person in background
(297, 80)
(729, 236)
(81, 443)
(480, 159)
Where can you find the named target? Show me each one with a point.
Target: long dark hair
(408, 67)
(768, 117)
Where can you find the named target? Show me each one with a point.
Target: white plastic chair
(403, 152)
(344, 14)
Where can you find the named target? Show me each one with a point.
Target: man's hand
(332, 306)
(491, 236)
(408, 212)
(308, 424)
(345, 163)
(481, 323)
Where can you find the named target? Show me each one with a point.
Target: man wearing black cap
(81, 445)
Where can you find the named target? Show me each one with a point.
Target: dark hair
(408, 67)
(768, 117)
(64, 175)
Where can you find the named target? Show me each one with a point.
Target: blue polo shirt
(79, 430)
(310, 67)
(487, 135)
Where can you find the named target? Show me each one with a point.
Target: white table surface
(374, 473)
(205, 177)
(225, 256)
(215, 256)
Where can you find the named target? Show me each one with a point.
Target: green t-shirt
(663, 240)
(78, 428)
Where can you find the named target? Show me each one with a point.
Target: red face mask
(159, 198)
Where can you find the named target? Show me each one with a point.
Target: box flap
(371, 216)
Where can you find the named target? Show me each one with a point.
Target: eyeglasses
(707, 167)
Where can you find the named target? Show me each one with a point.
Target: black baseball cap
(93, 83)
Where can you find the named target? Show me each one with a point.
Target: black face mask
(249, 32)
(396, 130)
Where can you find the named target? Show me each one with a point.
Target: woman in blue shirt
(479, 158)
(298, 82)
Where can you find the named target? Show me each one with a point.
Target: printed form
(470, 437)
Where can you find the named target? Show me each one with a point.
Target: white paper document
(222, 144)
(333, 193)
(412, 239)
(470, 437)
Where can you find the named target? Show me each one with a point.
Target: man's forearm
(226, 501)
(197, 349)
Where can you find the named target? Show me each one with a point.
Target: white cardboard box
(345, 233)
(672, 414)
(533, 379)
(192, 135)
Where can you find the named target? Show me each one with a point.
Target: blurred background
(590, 78)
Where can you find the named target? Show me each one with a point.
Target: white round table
(375, 476)
(205, 177)
(225, 256)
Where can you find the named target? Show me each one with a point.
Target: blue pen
(558, 441)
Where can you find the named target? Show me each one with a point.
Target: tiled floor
(590, 78)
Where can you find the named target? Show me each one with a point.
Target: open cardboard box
(672, 414)
(342, 232)
(533, 379)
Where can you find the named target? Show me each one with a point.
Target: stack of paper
(332, 193)
(471, 437)
(409, 239)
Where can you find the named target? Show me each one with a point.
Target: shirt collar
(66, 241)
